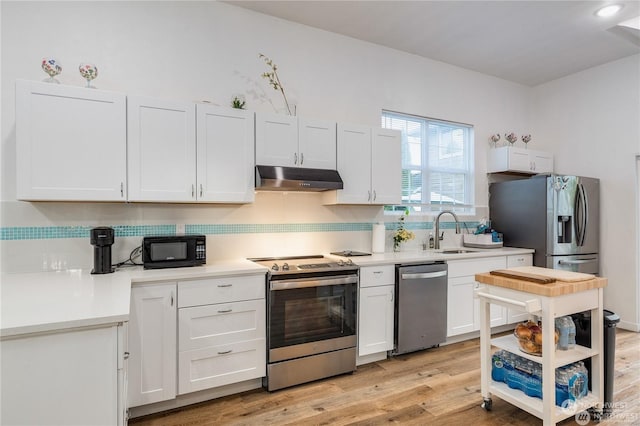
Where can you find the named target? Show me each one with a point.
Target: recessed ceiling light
(610, 10)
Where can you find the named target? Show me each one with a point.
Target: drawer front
(221, 365)
(220, 324)
(466, 267)
(519, 260)
(221, 290)
(372, 276)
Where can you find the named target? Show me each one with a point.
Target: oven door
(311, 315)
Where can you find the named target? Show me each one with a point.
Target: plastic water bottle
(563, 327)
(571, 335)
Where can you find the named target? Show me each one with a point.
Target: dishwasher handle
(423, 275)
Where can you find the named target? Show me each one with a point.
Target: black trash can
(583, 338)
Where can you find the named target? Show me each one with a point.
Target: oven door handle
(314, 282)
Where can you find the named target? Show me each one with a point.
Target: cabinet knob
(301, 158)
(375, 195)
(225, 352)
(295, 158)
(193, 190)
(126, 355)
(201, 192)
(122, 189)
(368, 195)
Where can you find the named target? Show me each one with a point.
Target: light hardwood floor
(439, 386)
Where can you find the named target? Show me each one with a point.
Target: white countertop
(419, 256)
(49, 301)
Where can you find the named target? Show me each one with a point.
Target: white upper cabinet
(161, 149)
(520, 160)
(276, 140)
(316, 144)
(283, 140)
(71, 143)
(386, 166)
(369, 162)
(225, 151)
(180, 152)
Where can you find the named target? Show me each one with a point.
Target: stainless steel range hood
(276, 178)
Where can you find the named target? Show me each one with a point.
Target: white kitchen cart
(547, 301)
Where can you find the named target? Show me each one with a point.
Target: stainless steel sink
(457, 251)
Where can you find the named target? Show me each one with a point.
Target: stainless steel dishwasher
(421, 307)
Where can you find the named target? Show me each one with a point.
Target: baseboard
(194, 398)
(627, 325)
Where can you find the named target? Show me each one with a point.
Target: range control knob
(275, 267)
(340, 262)
(285, 266)
(350, 262)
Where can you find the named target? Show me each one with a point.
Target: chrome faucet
(440, 237)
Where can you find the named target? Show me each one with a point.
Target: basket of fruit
(529, 335)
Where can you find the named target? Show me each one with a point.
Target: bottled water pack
(520, 373)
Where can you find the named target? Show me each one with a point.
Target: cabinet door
(71, 143)
(542, 162)
(317, 144)
(514, 315)
(276, 140)
(225, 151)
(375, 333)
(519, 160)
(386, 167)
(161, 149)
(497, 314)
(152, 344)
(354, 164)
(67, 378)
(460, 305)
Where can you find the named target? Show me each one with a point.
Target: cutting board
(516, 275)
(556, 274)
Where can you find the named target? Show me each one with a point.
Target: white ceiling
(528, 42)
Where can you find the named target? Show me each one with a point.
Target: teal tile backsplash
(53, 232)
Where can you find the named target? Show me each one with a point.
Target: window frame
(467, 207)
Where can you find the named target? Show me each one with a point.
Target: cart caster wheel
(486, 404)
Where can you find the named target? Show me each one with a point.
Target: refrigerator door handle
(577, 261)
(582, 217)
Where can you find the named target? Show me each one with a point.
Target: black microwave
(174, 251)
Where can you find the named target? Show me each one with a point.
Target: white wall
(591, 122)
(209, 51)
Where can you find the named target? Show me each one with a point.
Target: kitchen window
(437, 166)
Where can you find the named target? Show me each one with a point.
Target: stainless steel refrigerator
(556, 215)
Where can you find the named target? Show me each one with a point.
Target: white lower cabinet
(152, 344)
(376, 310)
(222, 332)
(65, 378)
(462, 308)
(221, 344)
(515, 315)
(195, 335)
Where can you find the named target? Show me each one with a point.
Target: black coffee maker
(102, 239)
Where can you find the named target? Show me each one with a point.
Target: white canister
(377, 238)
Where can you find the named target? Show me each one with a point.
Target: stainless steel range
(311, 319)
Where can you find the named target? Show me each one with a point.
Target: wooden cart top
(557, 288)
